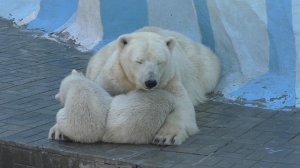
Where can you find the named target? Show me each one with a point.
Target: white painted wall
(22, 11)
(177, 15)
(244, 54)
(85, 27)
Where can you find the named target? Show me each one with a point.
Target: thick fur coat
(90, 114)
(153, 58)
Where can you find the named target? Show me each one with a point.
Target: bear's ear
(123, 40)
(74, 71)
(57, 97)
(170, 42)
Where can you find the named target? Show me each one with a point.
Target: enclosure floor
(31, 69)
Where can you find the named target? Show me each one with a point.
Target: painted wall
(257, 41)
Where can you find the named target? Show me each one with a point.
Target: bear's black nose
(150, 84)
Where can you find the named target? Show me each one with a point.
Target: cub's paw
(170, 136)
(55, 134)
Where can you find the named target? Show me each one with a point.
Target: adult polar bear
(156, 58)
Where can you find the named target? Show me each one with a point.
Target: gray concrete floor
(31, 69)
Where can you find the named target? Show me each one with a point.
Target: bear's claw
(164, 141)
(55, 134)
(169, 137)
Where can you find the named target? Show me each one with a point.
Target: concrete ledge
(21, 155)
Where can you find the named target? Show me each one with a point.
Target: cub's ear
(57, 97)
(170, 42)
(123, 40)
(74, 71)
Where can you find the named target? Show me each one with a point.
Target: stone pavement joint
(31, 69)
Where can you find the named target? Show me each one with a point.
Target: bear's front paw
(55, 134)
(170, 136)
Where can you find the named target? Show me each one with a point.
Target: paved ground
(30, 72)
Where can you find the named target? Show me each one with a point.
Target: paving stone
(284, 165)
(294, 142)
(227, 132)
(293, 157)
(233, 122)
(262, 164)
(265, 138)
(4, 115)
(234, 163)
(280, 125)
(7, 133)
(236, 150)
(14, 127)
(270, 154)
(200, 144)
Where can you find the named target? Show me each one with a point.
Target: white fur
(186, 69)
(198, 66)
(137, 116)
(83, 117)
(90, 112)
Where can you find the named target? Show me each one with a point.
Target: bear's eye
(139, 62)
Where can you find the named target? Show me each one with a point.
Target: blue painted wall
(282, 39)
(119, 17)
(53, 14)
(204, 23)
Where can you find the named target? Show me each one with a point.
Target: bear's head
(65, 85)
(146, 59)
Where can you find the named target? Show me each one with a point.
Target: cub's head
(66, 84)
(146, 59)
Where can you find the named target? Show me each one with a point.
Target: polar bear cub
(137, 116)
(90, 114)
(83, 117)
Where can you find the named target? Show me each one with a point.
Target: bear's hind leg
(55, 133)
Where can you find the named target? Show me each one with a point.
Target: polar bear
(153, 58)
(136, 117)
(83, 117)
(90, 114)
